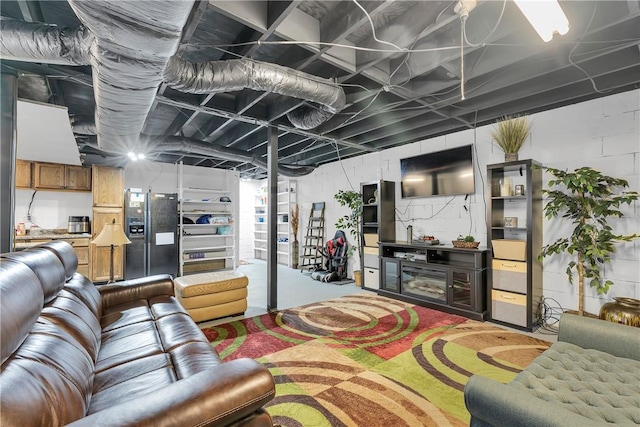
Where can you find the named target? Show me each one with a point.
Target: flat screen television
(441, 173)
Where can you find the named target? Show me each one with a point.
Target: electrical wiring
(549, 316)
(495, 27)
(475, 149)
(320, 43)
(29, 215)
(593, 83)
(373, 28)
(335, 144)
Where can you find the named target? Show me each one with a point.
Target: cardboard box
(371, 239)
(509, 249)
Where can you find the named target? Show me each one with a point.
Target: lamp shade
(111, 234)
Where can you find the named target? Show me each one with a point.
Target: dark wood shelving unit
(442, 277)
(515, 288)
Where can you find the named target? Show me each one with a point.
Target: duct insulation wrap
(33, 42)
(83, 125)
(238, 74)
(134, 41)
(185, 146)
(34, 88)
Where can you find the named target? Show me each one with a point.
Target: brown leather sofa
(121, 354)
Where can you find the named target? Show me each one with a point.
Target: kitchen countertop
(52, 234)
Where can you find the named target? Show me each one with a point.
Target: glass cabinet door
(462, 289)
(390, 274)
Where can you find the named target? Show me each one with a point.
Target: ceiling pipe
(34, 42)
(238, 74)
(133, 43)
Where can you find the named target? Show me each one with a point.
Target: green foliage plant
(469, 238)
(353, 201)
(588, 199)
(510, 133)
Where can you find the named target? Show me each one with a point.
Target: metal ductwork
(130, 45)
(33, 42)
(133, 42)
(34, 88)
(185, 146)
(83, 125)
(238, 74)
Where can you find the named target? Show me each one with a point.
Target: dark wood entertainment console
(436, 276)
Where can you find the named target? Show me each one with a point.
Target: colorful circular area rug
(366, 360)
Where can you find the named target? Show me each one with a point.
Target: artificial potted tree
(510, 133)
(588, 199)
(353, 201)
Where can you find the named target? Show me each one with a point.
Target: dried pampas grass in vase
(510, 133)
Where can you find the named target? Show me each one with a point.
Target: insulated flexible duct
(182, 145)
(185, 145)
(238, 74)
(134, 41)
(33, 42)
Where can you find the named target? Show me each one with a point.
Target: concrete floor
(296, 288)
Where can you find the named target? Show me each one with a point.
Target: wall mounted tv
(442, 173)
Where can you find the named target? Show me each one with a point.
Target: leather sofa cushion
(49, 380)
(147, 344)
(46, 265)
(20, 304)
(591, 383)
(66, 254)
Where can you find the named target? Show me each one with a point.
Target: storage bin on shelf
(509, 249)
(224, 229)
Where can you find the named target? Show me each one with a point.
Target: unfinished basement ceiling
(393, 97)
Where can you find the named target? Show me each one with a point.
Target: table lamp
(111, 235)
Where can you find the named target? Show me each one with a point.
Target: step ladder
(314, 239)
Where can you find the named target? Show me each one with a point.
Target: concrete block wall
(602, 133)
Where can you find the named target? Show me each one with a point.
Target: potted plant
(353, 201)
(468, 242)
(295, 222)
(588, 199)
(510, 134)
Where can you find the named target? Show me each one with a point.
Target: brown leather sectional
(121, 354)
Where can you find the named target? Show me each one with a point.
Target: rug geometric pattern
(364, 360)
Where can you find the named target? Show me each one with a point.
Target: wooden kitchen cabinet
(81, 247)
(100, 255)
(23, 174)
(77, 178)
(108, 186)
(55, 176)
(48, 176)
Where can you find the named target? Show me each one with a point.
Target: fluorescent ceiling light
(546, 17)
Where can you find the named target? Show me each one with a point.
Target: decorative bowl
(465, 245)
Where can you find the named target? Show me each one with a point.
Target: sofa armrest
(219, 396)
(495, 404)
(613, 338)
(130, 290)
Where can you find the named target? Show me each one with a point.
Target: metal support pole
(272, 220)
(8, 107)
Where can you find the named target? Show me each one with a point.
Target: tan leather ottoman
(211, 295)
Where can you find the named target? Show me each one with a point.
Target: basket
(465, 245)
